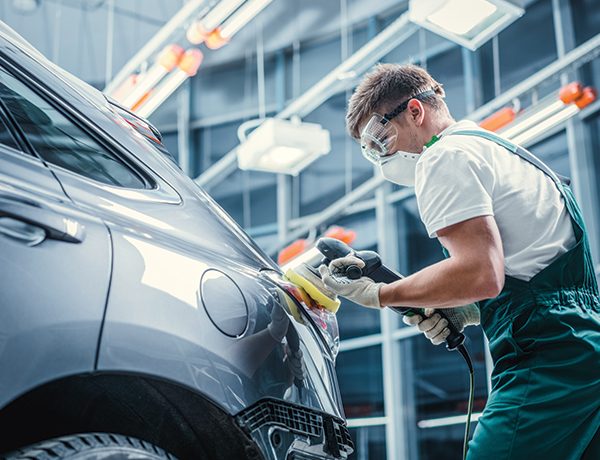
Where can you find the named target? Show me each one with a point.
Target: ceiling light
(220, 36)
(282, 146)
(200, 29)
(462, 16)
(26, 6)
(543, 116)
(186, 68)
(469, 23)
(166, 61)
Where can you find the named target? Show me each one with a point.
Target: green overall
(544, 337)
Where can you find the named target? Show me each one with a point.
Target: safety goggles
(379, 135)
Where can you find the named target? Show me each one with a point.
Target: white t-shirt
(461, 177)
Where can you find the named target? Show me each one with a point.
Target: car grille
(299, 420)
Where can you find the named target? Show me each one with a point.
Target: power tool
(374, 269)
(332, 249)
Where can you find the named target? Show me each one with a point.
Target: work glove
(363, 291)
(435, 327)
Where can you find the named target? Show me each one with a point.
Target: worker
(517, 258)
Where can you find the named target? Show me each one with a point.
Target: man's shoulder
(461, 148)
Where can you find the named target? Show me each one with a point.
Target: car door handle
(23, 232)
(56, 226)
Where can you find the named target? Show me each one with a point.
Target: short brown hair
(387, 86)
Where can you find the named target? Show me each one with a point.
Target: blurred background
(299, 60)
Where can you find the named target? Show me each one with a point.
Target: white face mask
(400, 168)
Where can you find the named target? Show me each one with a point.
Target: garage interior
(293, 64)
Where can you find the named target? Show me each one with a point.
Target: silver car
(137, 320)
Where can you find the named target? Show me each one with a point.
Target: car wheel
(91, 446)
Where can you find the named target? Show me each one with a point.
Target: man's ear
(416, 111)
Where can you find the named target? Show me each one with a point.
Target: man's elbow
(490, 283)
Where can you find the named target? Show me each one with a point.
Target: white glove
(363, 291)
(434, 326)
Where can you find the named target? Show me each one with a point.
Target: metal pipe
(183, 128)
(586, 51)
(110, 36)
(383, 43)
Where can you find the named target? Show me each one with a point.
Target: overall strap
(520, 151)
(560, 181)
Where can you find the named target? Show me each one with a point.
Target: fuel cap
(224, 303)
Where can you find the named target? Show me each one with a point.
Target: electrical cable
(465, 354)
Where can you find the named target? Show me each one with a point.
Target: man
(516, 245)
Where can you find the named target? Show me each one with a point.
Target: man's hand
(435, 327)
(363, 291)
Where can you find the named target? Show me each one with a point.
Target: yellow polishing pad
(302, 280)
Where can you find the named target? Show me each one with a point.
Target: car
(137, 319)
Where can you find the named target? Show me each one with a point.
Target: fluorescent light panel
(366, 422)
(470, 23)
(148, 81)
(462, 16)
(162, 92)
(525, 122)
(245, 14)
(445, 421)
(282, 146)
(549, 123)
(219, 13)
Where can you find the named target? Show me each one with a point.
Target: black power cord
(465, 354)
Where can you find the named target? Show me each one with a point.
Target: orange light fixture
(215, 40)
(291, 251)
(340, 233)
(200, 29)
(499, 119)
(170, 57)
(187, 67)
(166, 61)
(190, 62)
(588, 95)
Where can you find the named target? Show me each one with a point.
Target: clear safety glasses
(379, 135)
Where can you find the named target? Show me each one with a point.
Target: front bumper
(287, 431)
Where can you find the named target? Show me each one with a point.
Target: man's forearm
(445, 284)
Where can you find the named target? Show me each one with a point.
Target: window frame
(25, 147)
(94, 132)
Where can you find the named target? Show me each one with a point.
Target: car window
(6, 137)
(58, 140)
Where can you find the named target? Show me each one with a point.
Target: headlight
(322, 320)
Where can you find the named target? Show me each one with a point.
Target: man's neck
(437, 126)
(441, 125)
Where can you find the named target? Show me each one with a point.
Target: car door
(55, 260)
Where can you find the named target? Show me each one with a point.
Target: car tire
(91, 446)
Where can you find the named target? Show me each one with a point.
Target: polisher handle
(374, 269)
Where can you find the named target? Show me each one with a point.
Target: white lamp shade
(282, 146)
(470, 23)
